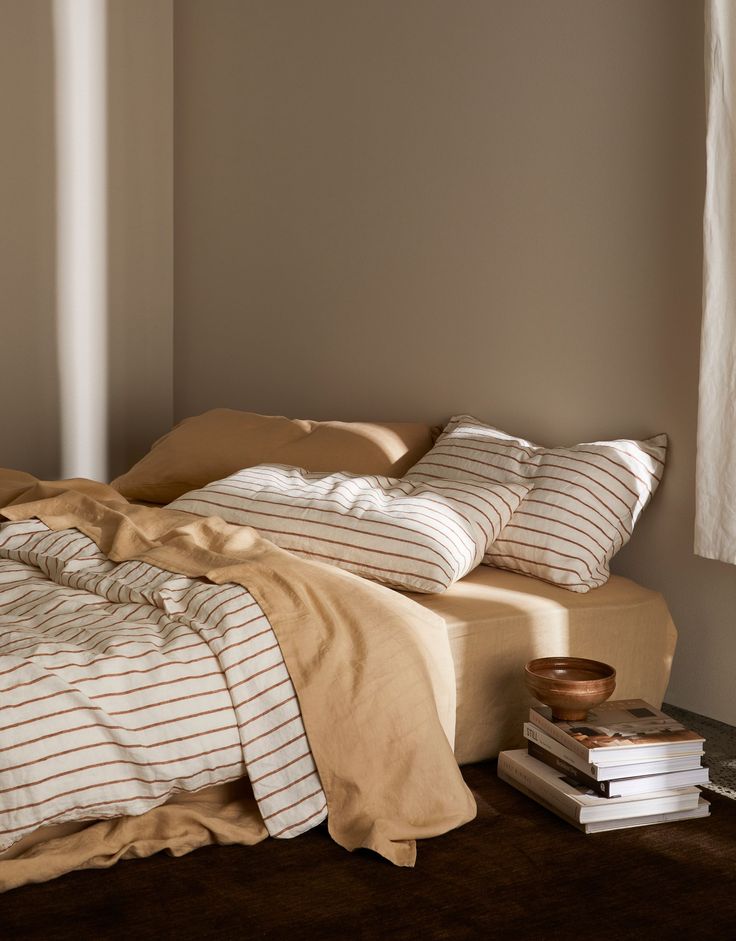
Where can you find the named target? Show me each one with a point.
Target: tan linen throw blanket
(372, 670)
(223, 814)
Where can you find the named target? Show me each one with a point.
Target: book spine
(559, 764)
(558, 734)
(534, 734)
(641, 807)
(535, 787)
(702, 810)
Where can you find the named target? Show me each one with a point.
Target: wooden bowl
(570, 686)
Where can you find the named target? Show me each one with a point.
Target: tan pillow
(216, 444)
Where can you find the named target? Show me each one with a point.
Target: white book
(702, 810)
(577, 803)
(623, 787)
(625, 823)
(637, 767)
(619, 730)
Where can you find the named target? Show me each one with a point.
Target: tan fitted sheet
(497, 621)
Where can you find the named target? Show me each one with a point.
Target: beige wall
(140, 232)
(29, 431)
(141, 225)
(408, 209)
(389, 209)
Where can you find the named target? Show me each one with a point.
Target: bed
(373, 611)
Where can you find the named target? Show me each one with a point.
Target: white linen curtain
(715, 513)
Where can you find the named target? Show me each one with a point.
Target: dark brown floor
(515, 872)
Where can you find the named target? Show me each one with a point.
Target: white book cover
(623, 726)
(602, 771)
(578, 803)
(603, 826)
(625, 823)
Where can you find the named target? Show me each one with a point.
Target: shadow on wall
(29, 378)
(86, 247)
(140, 234)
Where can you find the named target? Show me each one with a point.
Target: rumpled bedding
(148, 654)
(122, 684)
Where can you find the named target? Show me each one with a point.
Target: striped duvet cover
(123, 683)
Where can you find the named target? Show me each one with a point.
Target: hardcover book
(615, 765)
(702, 809)
(621, 787)
(619, 728)
(579, 804)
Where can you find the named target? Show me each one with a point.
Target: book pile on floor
(626, 765)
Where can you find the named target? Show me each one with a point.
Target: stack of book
(626, 765)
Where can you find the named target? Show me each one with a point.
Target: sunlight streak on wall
(80, 48)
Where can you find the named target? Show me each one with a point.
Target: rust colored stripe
(555, 552)
(170, 720)
(300, 823)
(80, 748)
(285, 498)
(548, 504)
(533, 568)
(119, 656)
(126, 692)
(268, 774)
(594, 480)
(254, 510)
(252, 656)
(248, 639)
(153, 669)
(478, 461)
(557, 522)
(260, 715)
(267, 754)
(95, 766)
(127, 780)
(123, 712)
(263, 692)
(227, 614)
(286, 787)
(551, 534)
(274, 666)
(271, 730)
(364, 565)
(18, 666)
(296, 803)
(360, 549)
(97, 804)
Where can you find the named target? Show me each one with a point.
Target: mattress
(497, 621)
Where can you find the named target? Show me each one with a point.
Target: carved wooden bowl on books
(570, 686)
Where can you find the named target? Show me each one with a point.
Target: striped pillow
(580, 511)
(415, 536)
